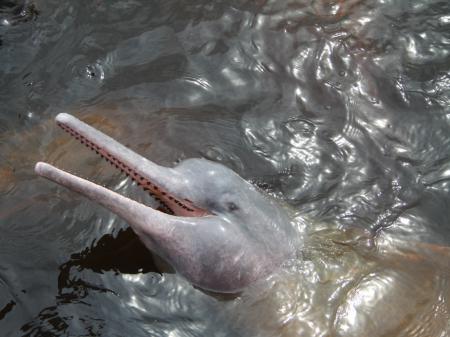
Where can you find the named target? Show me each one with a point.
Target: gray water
(339, 109)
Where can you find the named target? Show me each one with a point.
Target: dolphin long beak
(155, 179)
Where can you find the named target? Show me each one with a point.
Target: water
(340, 109)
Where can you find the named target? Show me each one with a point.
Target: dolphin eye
(231, 206)
(211, 205)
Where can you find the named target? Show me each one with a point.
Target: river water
(339, 109)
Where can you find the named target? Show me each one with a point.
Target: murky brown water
(340, 109)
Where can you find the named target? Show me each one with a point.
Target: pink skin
(173, 205)
(217, 230)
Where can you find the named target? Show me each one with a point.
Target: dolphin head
(216, 229)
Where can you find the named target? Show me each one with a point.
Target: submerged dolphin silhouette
(218, 230)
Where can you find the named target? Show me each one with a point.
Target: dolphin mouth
(122, 158)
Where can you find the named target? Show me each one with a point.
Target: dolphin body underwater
(217, 230)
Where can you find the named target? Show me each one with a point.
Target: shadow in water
(8, 307)
(123, 254)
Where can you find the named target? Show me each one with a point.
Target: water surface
(339, 109)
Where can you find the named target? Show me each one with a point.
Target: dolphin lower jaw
(133, 212)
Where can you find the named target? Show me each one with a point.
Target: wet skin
(217, 230)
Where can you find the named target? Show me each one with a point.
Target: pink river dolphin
(217, 230)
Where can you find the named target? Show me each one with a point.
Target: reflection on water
(344, 286)
(337, 108)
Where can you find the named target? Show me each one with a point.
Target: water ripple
(338, 109)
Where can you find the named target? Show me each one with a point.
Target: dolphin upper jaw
(219, 232)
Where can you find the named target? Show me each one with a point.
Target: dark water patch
(15, 12)
(8, 307)
(122, 253)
